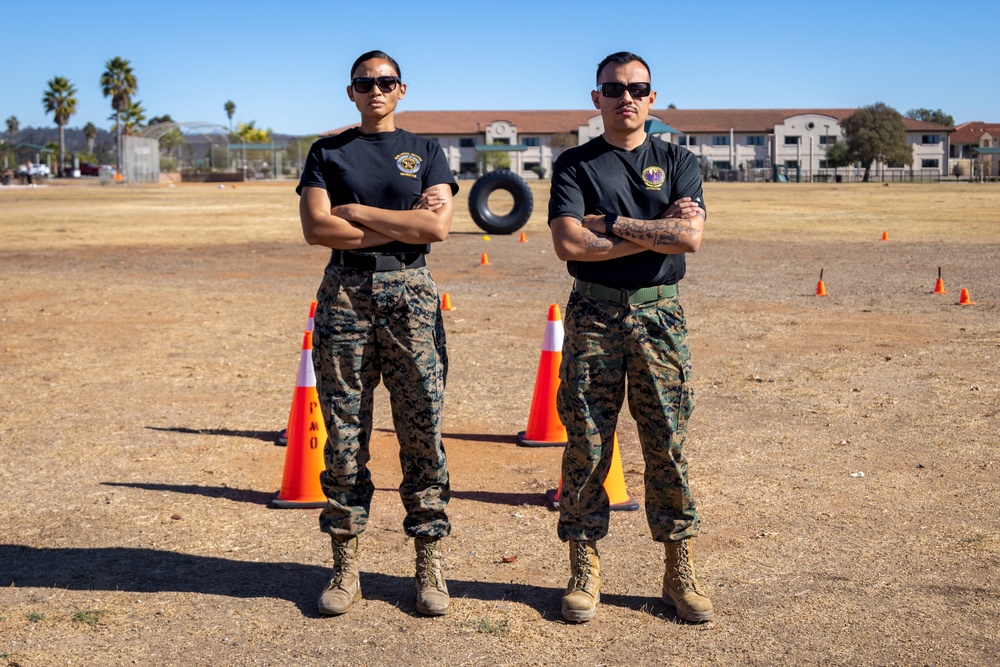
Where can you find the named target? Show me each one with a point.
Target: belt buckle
(624, 297)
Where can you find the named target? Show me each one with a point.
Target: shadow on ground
(152, 571)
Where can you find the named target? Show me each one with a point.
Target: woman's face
(375, 103)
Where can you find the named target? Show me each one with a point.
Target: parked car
(88, 169)
(36, 170)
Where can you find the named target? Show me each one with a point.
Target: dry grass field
(149, 338)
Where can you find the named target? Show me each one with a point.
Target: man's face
(375, 102)
(623, 114)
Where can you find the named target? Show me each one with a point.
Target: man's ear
(595, 99)
(350, 93)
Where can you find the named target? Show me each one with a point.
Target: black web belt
(372, 261)
(623, 296)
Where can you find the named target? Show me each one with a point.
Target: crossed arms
(356, 226)
(678, 231)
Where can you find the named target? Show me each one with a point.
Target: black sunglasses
(617, 89)
(364, 84)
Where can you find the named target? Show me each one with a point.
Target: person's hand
(594, 223)
(431, 200)
(685, 207)
(343, 211)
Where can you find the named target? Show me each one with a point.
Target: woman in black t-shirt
(378, 196)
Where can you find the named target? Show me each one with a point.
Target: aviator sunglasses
(364, 84)
(617, 89)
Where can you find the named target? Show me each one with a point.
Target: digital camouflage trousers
(371, 326)
(609, 348)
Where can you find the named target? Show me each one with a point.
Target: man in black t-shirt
(379, 196)
(623, 210)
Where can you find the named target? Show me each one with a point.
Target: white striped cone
(544, 427)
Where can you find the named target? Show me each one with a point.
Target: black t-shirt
(387, 170)
(598, 178)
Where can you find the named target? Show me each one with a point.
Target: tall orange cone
(965, 299)
(820, 287)
(446, 302)
(300, 485)
(524, 238)
(310, 325)
(544, 427)
(484, 260)
(939, 285)
(614, 485)
(885, 236)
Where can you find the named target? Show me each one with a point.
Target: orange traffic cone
(885, 236)
(820, 287)
(939, 285)
(524, 238)
(544, 428)
(446, 302)
(614, 485)
(300, 485)
(484, 260)
(965, 299)
(310, 325)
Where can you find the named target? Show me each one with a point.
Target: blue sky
(285, 65)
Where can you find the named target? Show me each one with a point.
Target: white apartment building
(727, 141)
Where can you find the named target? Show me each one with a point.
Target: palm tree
(59, 101)
(90, 131)
(230, 110)
(13, 125)
(118, 82)
(132, 119)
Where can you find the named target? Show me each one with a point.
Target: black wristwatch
(609, 223)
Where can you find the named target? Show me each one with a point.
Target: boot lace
(583, 567)
(342, 559)
(429, 567)
(683, 568)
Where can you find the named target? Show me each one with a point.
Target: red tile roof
(971, 132)
(438, 123)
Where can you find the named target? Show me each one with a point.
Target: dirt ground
(149, 340)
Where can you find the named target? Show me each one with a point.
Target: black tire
(500, 179)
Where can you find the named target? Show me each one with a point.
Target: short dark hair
(622, 58)
(380, 55)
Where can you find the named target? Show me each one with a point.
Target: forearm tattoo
(664, 232)
(594, 241)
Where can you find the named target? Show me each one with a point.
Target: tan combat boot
(583, 591)
(429, 586)
(344, 588)
(680, 585)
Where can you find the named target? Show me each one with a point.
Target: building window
(686, 140)
(720, 140)
(791, 164)
(930, 164)
(531, 141)
(792, 141)
(930, 139)
(502, 140)
(466, 142)
(827, 139)
(756, 140)
(724, 165)
(758, 164)
(895, 165)
(824, 164)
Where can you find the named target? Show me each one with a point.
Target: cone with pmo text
(310, 325)
(544, 426)
(300, 486)
(614, 485)
(820, 286)
(939, 285)
(965, 299)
